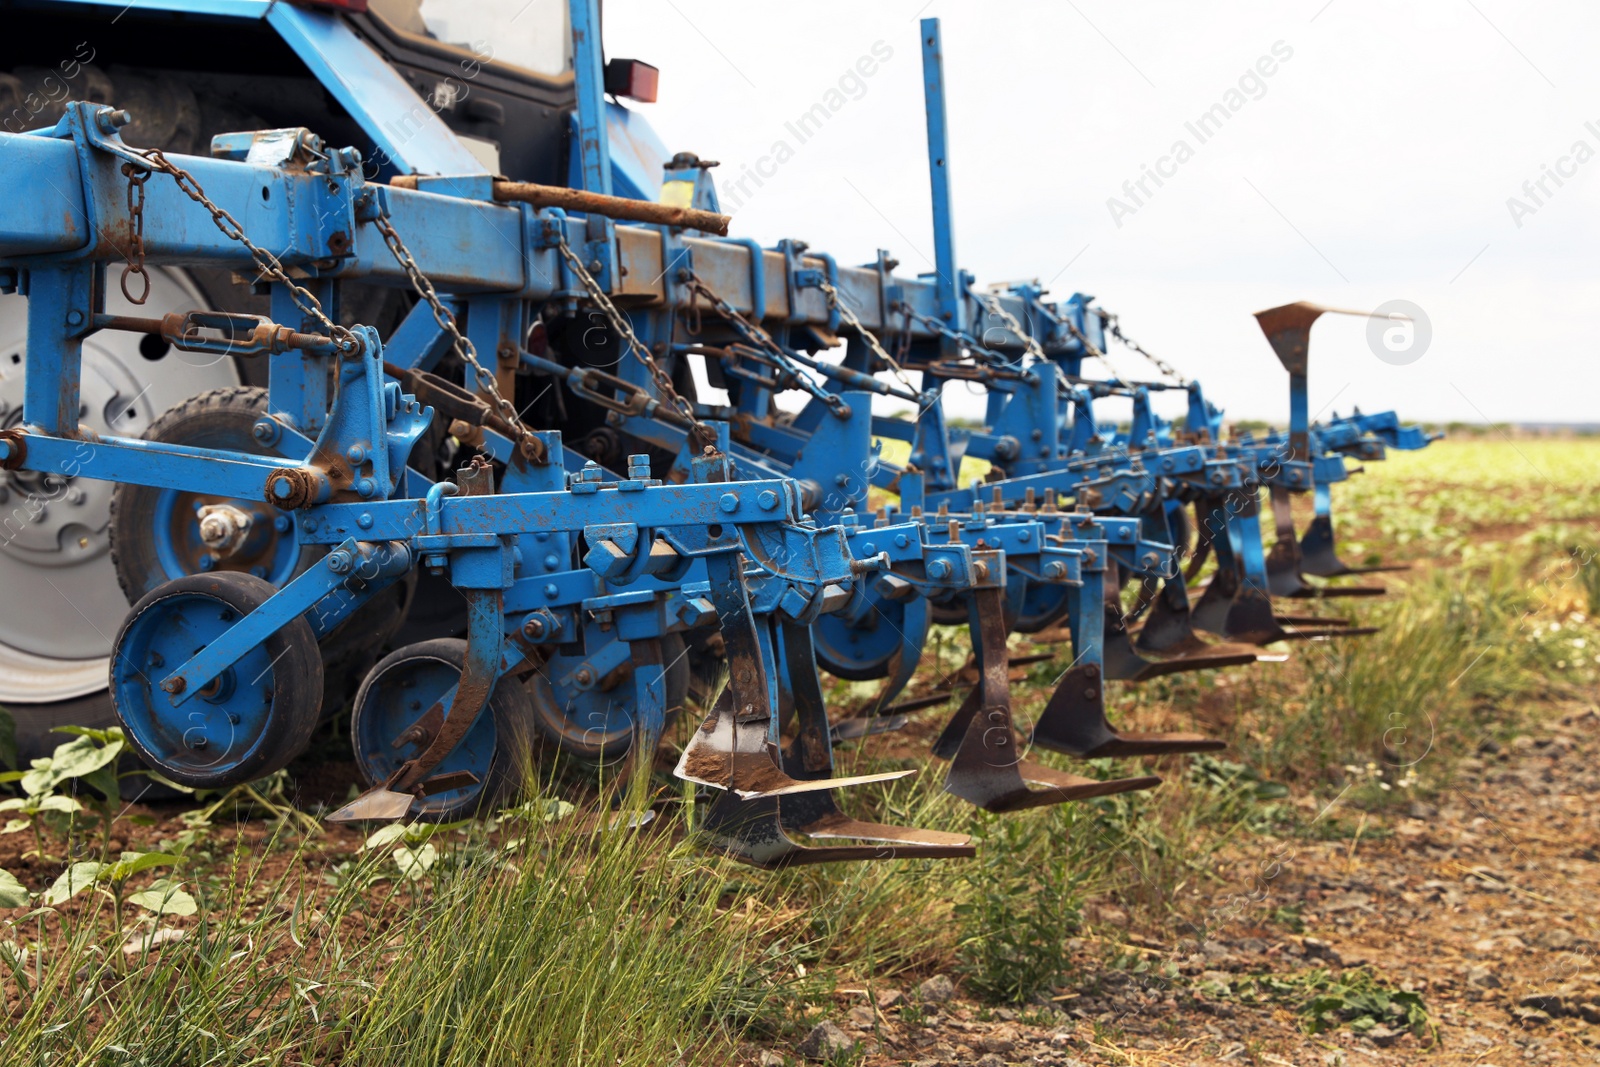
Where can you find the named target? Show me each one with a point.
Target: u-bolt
(433, 509)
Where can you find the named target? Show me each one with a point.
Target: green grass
(631, 948)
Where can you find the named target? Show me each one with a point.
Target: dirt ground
(1486, 904)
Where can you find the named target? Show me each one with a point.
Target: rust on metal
(612, 207)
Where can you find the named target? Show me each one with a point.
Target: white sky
(1376, 166)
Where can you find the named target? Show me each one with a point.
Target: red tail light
(633, 79)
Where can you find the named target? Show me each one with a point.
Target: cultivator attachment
(616, 546)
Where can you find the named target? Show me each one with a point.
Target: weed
(1024, 901)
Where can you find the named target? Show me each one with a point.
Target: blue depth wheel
(864, 651)
(250, 720)
(592, 722)
(1043, 606)
(387, 728)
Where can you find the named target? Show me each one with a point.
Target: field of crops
(1346, 883)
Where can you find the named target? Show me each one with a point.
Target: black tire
(296, 682)
(549, 720)
(222, 418)
(509, 705)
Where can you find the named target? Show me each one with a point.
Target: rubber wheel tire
(222, 419)
(548, 719)
(509, 764)
(296, 680)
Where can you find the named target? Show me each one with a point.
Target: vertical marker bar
(589, 74)
(946, 292)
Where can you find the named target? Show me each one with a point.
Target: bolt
(1090, 693)
(339, 561)
(175, 685)
(156, 660)
(264, 431)
(75, 495)
(841, 480)
(585, 676)
(767, 500)
(74, 317)
(901, 540)
(1055, 569)
(938, 569)
(208, 561)
(551, 590)
(552, 561)
(533, 629)
(1024, 535)
(356, 453)
(729, 502)
(366, 487)
(364, 520)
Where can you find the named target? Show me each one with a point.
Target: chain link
(992, 303)
(464, 349)
(849, 316)
(761, 339)
(619, 323)
(267, 263)
(136, 176)
(1160, 364)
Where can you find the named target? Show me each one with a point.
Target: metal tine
(986, 764)
(1180, 648)
(1074, 720)
(1319, 558)
(757, 831)
(736, 747)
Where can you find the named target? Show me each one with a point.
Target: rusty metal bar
(612, 207)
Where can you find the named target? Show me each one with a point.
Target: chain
(849, 316)
(265, 261)
(761, 339)
(1162, 365)
(972, 344)
(136, 176)
(464, 349)
(1089, 347)
(619, 323)
(992, 302)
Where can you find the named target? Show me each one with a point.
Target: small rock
(1418, 810)
(1318, 949)
(1382, 1036)
(1005, 1015)
(1530, 1017)
(1481, 977)
(1555, 937)
(770, 1058)
(937, 990)
(825, 1042)
(862, 1017)
(889, 998)
(991, 1060)
(1551, 1003)
(1488, 746)
(1214, 949)
(1590, 1013)
(1252, 945)
(996, 1043)
(1521, 744)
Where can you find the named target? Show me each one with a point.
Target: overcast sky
(1374, 163)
